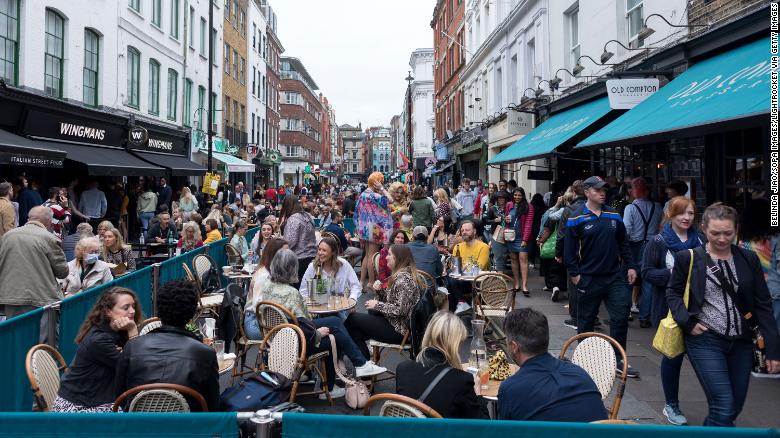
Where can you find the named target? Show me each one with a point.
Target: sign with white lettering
(137, 136)
(61, 126)
(32, 160)
(628, 93)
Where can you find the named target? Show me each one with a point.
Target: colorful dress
(372, 217)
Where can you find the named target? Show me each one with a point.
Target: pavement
(643, 400)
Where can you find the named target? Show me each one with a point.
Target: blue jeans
(615, 292)
(344, 342)
(670, 378)
(145, 217)
(723, 368)
(776, 307)
(499, 255)
(251, 327)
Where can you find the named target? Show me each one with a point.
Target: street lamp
(607, 55)
(578, 68)
(524, 98)
(538, 92)
(645, 32)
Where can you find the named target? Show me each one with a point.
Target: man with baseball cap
(426, 256)
(595, 250)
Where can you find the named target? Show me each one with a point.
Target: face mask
(90, 259)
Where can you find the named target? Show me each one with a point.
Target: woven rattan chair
(595, 353)
(284, 348)
(375, 265)
(268, 316)
(148, 325)
(160, 397)
(271, 315)
(233, 255)
(207, 304)
(201, 264)
(44, 365)
(494, 297)
(400, 406)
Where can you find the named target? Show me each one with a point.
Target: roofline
(298, 66)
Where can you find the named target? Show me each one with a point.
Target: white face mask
(90, 259)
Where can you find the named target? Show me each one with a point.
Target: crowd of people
(596, 242)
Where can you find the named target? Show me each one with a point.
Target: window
(254, 36)
(55, 33)
(175, 18)
(91, 57)
(9, 40)
(252, 138)
(202, 36)
(254, 74)
(226, 62)
(292, 151)
(242, 118)
(135, 5)
(201, 110)
(157, 13)
(192, 27)
(173, 82)
(214, 43)
(133, 76)
(187, 116)
(354, 167)
(226, 110)
(235, 13)
(214, 108)
(241, 16)
(635, 20)
(235, 64)
(574, 37)
(154, 87)
(242, 71)
(235, 113)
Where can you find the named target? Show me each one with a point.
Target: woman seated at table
(387, 320)
(115, 251)
(190, 237)
(261, 240)
(384, 272)
(281, 290)
(103, 227)
(239, 240)
(212, 232)
(88, 383)
(260, 279)
(86, 270)
(249, 215)
(442, 234)
(334, 270)
(453, 396)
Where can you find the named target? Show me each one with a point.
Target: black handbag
(256, 392)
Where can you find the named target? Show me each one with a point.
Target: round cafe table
(239, 277)
(491, 393)
(323, 309)
(226, 365)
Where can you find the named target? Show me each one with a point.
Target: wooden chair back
(396, 405)
(595, 353)
(148, 325)
(269, 315)
(494, 290)
(375, 264)
(44, 366)
(160, 397)
(284, 348)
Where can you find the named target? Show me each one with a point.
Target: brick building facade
(234, 73)
(272, 85)
(449, 57)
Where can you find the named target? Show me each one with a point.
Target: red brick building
(272, 87)
(449, 58)
(300, 140)
(325, 133)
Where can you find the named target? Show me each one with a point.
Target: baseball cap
(594, 182)
(420, 230)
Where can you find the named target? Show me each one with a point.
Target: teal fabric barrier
(17, 336)
(171, 269)
(137, 425)
(73, 311)
(217, 252)
(139, 282)
(338, 426)
(349, 225)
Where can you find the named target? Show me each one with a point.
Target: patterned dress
(373, 220)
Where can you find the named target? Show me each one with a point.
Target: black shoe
(643, 323)
(570, 323)
(632, 373)
(527, 293)
(556, 293)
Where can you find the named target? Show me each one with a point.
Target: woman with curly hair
(190, 237)
(88, 383)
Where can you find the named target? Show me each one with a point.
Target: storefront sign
(20, 159)
(515, 123)
(58, 126)
(137, 136)
(473, 135)
(628, 93)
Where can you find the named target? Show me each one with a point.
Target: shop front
(445, 162)
(267, 165)
(225, 160)
(708, 127)
(507, 130)
(469, 153)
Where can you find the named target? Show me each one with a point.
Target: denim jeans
(646, 298)
(344, 342)
(776, 307)
(670, 378)
(615, 292)
(251, 327)
(723, 368)
(145, 217)
(499, 255)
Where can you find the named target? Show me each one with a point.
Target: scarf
(674, 244)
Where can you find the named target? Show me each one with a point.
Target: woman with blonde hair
(115, 251)
(86, 270)
(216, 214)
(454, 395)
(400, 205)
(443, 207)
(188, 203)
(190, 237)
(102, 228)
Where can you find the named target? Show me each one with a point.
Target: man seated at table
(545, 388)
(473, 254)
(171, 353)
(348, 251)
(159, 232)
(425, 255)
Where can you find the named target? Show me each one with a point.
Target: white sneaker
(462, 307)
(336, 392)
(634, 309)
(369, 369)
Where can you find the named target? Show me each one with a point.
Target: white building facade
(256, 67)
(421, 63)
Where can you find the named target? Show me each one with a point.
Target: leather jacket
(170, 355)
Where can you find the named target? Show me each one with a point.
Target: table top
(226, 365)
(469, 277)
(491, 393)
(151, 244)
(236, 275)
(322, 309)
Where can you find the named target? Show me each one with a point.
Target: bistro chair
(148, 325)
(44, 366)
(203, 264)
(494, 297)
(207, 304)
(595, 353)
(397, 405)
(160, 397)
(285, 349)
(233, 255)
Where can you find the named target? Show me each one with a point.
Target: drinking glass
(219, 347)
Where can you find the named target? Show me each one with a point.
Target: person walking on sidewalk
(643, 220)
(577, 202)
(677, 234)
(596, 251)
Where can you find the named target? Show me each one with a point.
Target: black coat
(170, 355)
(453, 396)
(90, 377)
(752, 288)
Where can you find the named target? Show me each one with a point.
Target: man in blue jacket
(595, 252)
(426, 256)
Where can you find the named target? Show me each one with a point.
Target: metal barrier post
(155, 286)
(51, 323)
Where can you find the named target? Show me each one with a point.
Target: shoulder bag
(256, 392)
(509, 232)
(548, 247)
(668, 339)
(357, 392)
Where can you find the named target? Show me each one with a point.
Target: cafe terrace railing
(19, 334)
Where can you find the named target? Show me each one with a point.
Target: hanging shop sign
(515, 123)
(137, 137)
(58, 126)
(628, 93)
(211, 183)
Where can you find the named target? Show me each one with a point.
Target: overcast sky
(357, 51)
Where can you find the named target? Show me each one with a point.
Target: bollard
(265, 423)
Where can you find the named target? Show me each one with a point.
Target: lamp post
(409, 79)
(209, 132)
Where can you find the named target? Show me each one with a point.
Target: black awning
(178, 165)
(20, 151)
(102, 161)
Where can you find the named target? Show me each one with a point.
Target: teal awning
(234, 164)
(554, 132)
(725, 88)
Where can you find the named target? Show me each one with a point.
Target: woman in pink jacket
(520, 219)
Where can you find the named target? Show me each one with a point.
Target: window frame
(46, 56)
(639, 6)
(203, 44)
(154, 87)
(172, 101)
(134, 5)
(174, 21)
(14, 6)
(186, 118)
(86, 70)
(133, 89)
(157, 13)
(201, 110)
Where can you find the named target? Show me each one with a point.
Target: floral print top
(373, 220)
